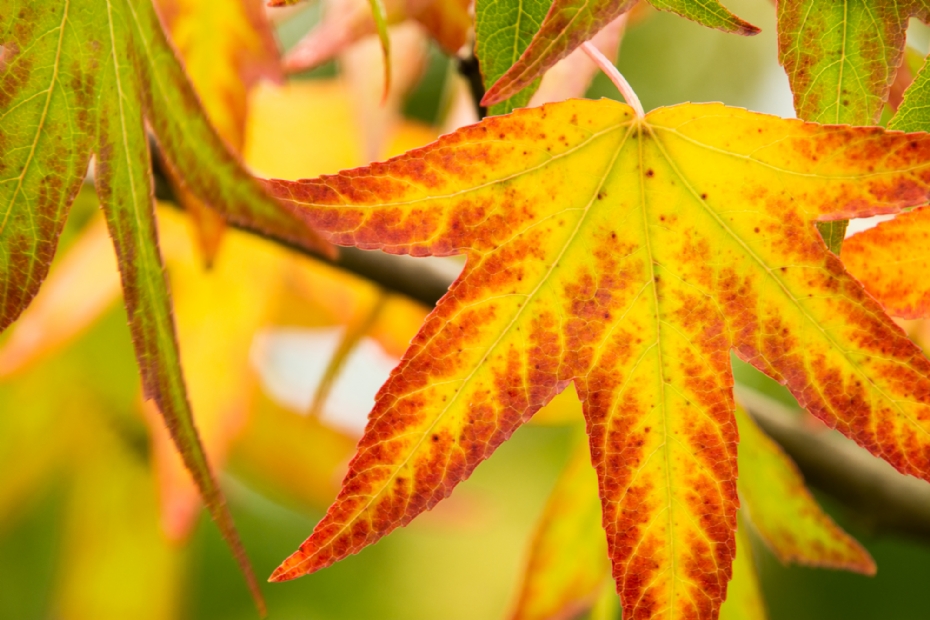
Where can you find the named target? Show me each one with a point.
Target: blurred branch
(468, 68)
(882, 499)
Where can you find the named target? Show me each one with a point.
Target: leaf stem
(615, 76)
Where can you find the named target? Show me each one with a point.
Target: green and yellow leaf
(566, 25)
(568, 556)
(783, 511)
(841, 57)
(744, 596)
(627, 256)
(891, 260)
(83, 77)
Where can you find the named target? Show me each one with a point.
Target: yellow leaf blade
(744, 596)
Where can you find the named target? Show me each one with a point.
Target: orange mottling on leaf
(628, 257)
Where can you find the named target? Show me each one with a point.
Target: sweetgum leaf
(568, 556)
(744, 596)
(892, 259)
(569, 23)
(226, 48)
(503, 31)
(628, 256)
(82, 77)
(568, 560)
(841, 57)
(783, 511)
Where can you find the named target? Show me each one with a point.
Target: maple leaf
(841, 59)
(81, 78)
(627, 256)
(566, 25)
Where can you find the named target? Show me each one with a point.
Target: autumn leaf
(841, 57)
(784, 513)
(226, 49)
(891, 260)
(81, 78)
(566, 25)
(627, 256)
(568, 556)
(744, 595)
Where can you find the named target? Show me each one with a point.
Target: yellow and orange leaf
(892, 260)
(628, 256)
(783, 511)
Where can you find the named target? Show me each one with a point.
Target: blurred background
(283, 355)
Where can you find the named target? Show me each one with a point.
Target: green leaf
(503, 30)
(46, 127)
(914, 113)
(569, 23)
(841, 56)
(380, 17)
(82, 77)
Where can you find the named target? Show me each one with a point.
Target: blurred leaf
(347, 21)
(744, 596)
(81, 286)
(115, 562)
(782, 510)
(217, 313)
(291, 458)
(568, 556)
(226, 48)
(378, 111)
